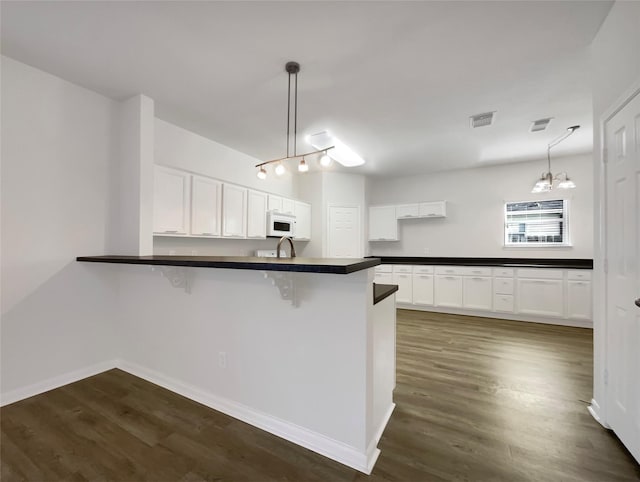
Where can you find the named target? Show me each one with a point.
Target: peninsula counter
(293, 346)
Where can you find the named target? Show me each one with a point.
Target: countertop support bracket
(285, 282)
(178, 277)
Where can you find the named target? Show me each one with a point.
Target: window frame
(566, 243)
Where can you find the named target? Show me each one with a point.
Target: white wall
(57, 146)
(323, 189)
(474, 225)
(615, 69)
(182, 149)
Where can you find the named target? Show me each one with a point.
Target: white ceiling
(396, 81)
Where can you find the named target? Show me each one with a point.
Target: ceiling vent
(540, 124)
(481, 120)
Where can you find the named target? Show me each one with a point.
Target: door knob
(638, 302)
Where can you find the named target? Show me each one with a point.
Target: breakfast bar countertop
(300, 265)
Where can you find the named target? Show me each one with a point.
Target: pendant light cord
(295, 118)
(288, 111)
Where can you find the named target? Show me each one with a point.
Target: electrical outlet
(425, 250)
(222, 359)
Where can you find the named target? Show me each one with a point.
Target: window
(536, 223)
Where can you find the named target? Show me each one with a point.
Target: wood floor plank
(477, 400)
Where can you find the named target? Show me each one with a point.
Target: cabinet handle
(174, 231)
(450, 277)
(477, 279)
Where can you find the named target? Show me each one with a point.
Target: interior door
(344, 235)
(622, 140)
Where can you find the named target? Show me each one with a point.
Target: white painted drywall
(57, 147)
(474, 225)
(615, 69)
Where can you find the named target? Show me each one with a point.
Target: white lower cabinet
(541, 297)
(423, 289)
(579, 300)
(532, 294)
(448, 291)
(477, 293)
(405, 287)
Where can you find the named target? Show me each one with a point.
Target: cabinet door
(206, 198)
(436, 209)
(448, 291)
(303, 220)
(384, 278)
(579, 300)
(423, 289)
(406, 211)
(288, 206)
(234, 209)
(477, 293)
(170, 201)
(256, 214)
(383, 225)
(541, 297)
(275, 203)
(405, 287)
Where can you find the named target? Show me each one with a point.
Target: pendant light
(292, 69)
(545, 183)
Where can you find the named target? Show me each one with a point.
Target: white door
(383, 224)
(343, 236)
(622, 141)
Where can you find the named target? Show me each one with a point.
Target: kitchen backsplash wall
(474, 225)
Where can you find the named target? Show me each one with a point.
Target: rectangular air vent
(540, 124)
(481, 120)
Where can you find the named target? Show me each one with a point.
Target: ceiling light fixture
(545, 183)
(292, 68)
(325, 160)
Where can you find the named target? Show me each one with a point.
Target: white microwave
(279, 224)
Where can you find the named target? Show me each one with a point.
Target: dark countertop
(301, 265)
(380, 292)
(503, 262)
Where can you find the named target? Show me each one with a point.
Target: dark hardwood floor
(477, 400)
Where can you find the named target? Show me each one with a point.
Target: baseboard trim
(321, 444)
(499, 316)
(55, 382)
(595, 411)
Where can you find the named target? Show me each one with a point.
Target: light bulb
(262, 173)
(280, 170)
(566, 184)
(325, 160)
(303, 166)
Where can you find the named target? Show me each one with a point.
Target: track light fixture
(545, 183)
(292, 69)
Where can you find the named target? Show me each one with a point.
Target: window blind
(536, 222)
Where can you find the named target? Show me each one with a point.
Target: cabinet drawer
(404, 211)
(503, 303)
(579, 274)
(474, 271)
(540, 273)
(423, 270)
(503, 272)
(449, 270)
(384, 278)
(503, 286)
(384, 268)
(402, 268)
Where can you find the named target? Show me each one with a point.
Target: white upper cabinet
(383, 224)
(206, 206)
(302, 212)
(435, 209)
(288, 206)
(171, 201)
(256, 214)
(407, 211)
(234, 210)
(275, 203)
